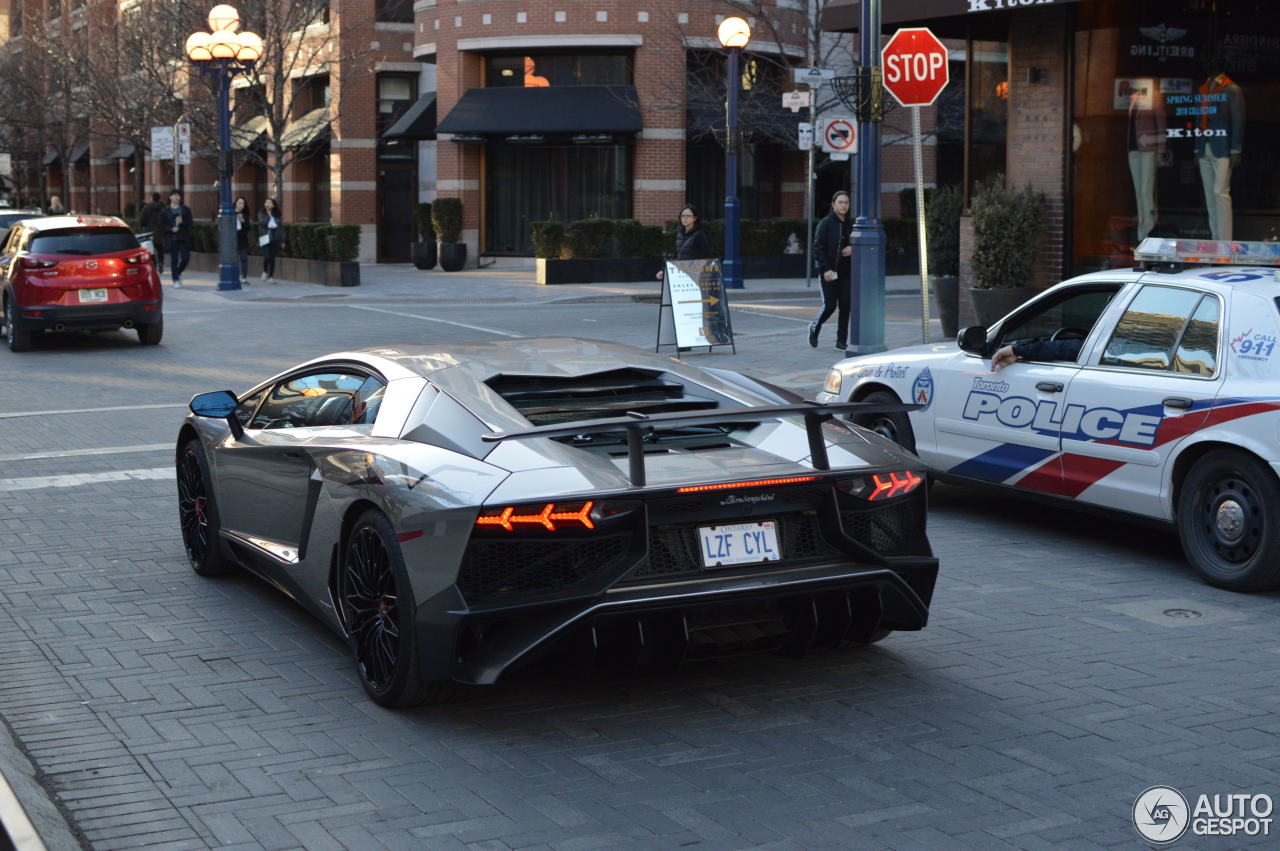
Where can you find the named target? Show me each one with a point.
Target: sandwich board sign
(693, 310)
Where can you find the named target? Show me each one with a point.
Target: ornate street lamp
(223, 53)
(734, 34)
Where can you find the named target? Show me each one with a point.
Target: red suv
(77, 272)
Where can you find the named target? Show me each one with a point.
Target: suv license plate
(92, 296)
(739, 543)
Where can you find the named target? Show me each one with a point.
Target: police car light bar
(1159, 250)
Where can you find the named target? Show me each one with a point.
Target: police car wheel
(895, 427)
(1229, 521)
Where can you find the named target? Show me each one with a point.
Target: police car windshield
(86, 241)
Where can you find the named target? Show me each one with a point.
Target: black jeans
(835, 297)
(269, 259)
(179, 256)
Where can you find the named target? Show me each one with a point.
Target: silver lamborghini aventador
(456, 511)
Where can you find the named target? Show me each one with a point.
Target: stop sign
(915, 66)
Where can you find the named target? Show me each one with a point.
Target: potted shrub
(1007, 226)
(942, 223)
(424, 250)
(446, 216)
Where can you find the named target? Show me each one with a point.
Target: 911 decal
(1072, 422)
(1251, 346)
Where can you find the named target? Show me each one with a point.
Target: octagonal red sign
(915, 66)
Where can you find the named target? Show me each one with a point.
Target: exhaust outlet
(59, 327)
(128, 323)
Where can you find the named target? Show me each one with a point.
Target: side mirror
(973, 339)
(219, 405)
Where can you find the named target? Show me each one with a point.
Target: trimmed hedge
(548, 239)
(422, 225)
(590, 237)
(307, 241)
(628, 238)
(446, 215)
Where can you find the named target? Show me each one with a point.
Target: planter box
(781, 266)
(325, 272)
(603, 270)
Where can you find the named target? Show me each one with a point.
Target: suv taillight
(141, 257)
(32, 262)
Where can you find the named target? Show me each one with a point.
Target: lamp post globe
(735, 34)
(222, 54)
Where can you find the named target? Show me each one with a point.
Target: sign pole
(808, 198)
(924, 247)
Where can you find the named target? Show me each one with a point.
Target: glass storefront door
(1176, 109)
(534, 183)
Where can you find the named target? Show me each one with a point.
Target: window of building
(559, 69)
(396, 93)
(987, 89)
(533, 183)
(394, 11)
(1174, 110)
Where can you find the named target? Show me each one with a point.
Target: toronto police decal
(987, 404)
(922, 389)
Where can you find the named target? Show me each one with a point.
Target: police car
(1170, 410)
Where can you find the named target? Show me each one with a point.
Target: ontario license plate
(739, 543)
(92, 296)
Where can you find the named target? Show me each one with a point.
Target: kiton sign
(997, 5)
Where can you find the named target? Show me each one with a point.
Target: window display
(1182, 97)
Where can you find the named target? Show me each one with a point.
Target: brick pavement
(165, 709)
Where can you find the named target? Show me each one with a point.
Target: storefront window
(559, 69)
(988, 78)
(533, 183)
(1175, 112)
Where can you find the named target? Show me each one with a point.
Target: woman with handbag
(270, 237)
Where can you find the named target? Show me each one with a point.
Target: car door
(268, 484)
(1151, 381)
(1004, 426)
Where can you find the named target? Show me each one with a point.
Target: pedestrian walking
(55, 207)
(149, 221)
(833, 257)
(242, 238)
(270, 237)
(692, 242)
(175, 222)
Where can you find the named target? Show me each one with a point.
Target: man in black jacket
(1036, 350)
(832, 255)
(175, 223)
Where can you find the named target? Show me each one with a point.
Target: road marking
(13, 414)
(70, 453)
(433, 319)
(76, 479)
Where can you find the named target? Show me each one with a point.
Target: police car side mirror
(973, 339)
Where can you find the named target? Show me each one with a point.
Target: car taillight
(142, 257)
(569, 515)
(31, 262)
(877, 486)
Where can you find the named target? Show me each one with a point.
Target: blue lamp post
(223, 53)
(734, 34)
(866, 332)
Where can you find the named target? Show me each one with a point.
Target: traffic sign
(915, 66)
(812, 77)
(839, 134)
(161, 143)
(796, 100)
(806, 136)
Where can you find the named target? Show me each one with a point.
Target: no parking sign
(838, 134)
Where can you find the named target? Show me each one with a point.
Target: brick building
(1135, 119)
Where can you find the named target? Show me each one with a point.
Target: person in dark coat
(833, 257)
(175, 223)
(149, 222)
(243, 226)
(271, 226)
(692, 243)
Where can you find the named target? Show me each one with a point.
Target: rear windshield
(88, 241)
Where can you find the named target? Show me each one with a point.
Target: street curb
(30, 818)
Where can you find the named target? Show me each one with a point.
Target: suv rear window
(87, 241)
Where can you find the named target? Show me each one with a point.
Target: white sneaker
(264, 276)
(271, 280)
(244, 282)
(177, 285)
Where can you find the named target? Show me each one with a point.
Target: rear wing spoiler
(635, 424)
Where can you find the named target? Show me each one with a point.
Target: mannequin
(1146, 150)
(1219, 144)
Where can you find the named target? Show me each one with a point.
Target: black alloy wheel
(197, 512)
(375, 602)
(895, 427)
(1228, 521)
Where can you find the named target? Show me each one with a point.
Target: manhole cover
(1185, 614)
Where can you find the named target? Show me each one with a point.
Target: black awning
(80, 153)
(418, 121)
(51, 158)
(124, 152)
(842, 15)
(546, 109)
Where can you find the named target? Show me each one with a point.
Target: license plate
(92, 296)
(739, 543)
